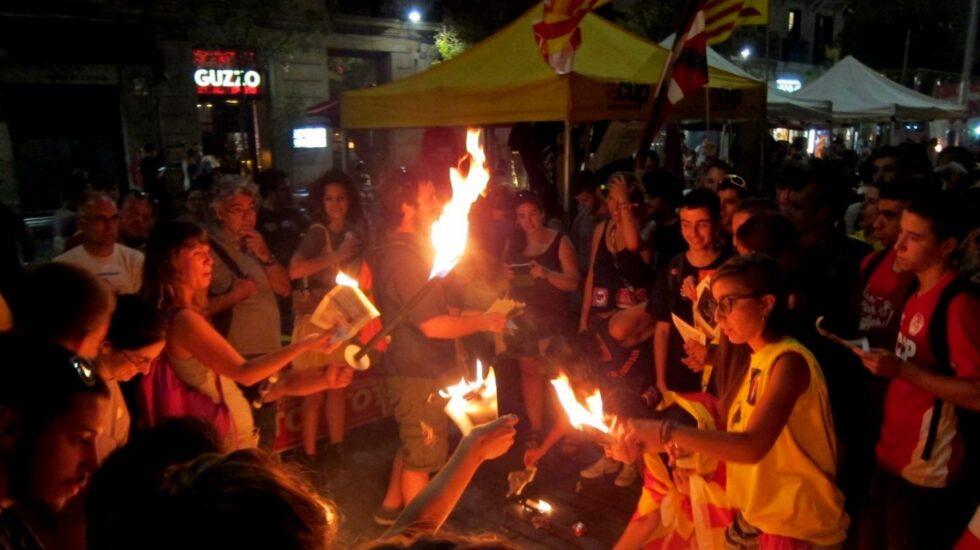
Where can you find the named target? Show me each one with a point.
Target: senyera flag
(686, 71)
(722, 16)
(557, 32)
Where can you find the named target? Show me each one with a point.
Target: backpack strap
(873, 263)
(939, 343)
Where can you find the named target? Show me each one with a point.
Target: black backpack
(968, 421)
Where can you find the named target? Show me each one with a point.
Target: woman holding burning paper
(540, 263)
(201, 359)
(780, 447)
(334, 242)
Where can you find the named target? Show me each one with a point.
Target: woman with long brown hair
(176, 280)
(334, 242)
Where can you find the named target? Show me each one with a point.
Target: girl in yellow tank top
(780, 447)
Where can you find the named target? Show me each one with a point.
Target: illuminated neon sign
(226, 73)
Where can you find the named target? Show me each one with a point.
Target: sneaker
(386, 516)
(599, 468)
(627, 476)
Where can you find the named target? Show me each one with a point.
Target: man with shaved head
(118, 266)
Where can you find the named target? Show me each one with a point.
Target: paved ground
(602, 506)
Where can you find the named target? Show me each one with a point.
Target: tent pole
(707, 112)
(566, 194)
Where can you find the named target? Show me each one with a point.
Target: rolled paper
(347, 309)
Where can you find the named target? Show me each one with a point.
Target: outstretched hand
(493, 439)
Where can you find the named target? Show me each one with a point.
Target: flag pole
(646, 136)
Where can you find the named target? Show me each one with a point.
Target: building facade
(235, 85)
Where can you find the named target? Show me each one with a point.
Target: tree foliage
(449, 44)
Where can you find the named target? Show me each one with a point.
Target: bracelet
(272, 261)
(666, 431)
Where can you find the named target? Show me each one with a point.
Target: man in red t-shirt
(885, 288)
(917, 501)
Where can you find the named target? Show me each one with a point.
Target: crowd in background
(143, 364)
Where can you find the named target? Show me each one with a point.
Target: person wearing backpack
(919, 498)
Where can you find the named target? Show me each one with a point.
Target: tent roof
(782, 105)
(858, 93)
(504, 79)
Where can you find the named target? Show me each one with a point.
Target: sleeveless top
(545, 302)
(619, 280)
(802, 500)
(198, 376)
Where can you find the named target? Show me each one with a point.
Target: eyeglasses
(138, 361)
(84, 368)
(727, 303)
(242, 210)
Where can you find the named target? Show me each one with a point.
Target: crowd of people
(790, 364)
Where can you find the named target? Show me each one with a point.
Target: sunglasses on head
(84, 368)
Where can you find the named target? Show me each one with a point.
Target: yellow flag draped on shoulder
(722, 16)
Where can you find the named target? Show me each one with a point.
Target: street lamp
(745, 53)
(414, 16)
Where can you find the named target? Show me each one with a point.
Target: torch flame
(578, 415)
(451, 231)
(345, 280)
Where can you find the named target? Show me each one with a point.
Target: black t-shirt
(667, 243)
(401, 268)
(666, 299)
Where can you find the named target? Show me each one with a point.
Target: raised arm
(432, 506)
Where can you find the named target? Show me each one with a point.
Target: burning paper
(586, 418)
(539, 506)
(451, 231)
(344, 307)
(472, 403)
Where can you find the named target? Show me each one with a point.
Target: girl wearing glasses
(780, 446)
(136, 337)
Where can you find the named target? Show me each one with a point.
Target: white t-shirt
(117, 431)
(121, 271)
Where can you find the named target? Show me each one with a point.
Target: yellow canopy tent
(504, 80)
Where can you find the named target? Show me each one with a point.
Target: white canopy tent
(782, 105)
(859, 94)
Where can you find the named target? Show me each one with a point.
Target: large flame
(451, 231)
(578, 415)
(345, 280)
(487, 387)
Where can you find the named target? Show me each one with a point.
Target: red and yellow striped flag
(557, 32)
(722, 16)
